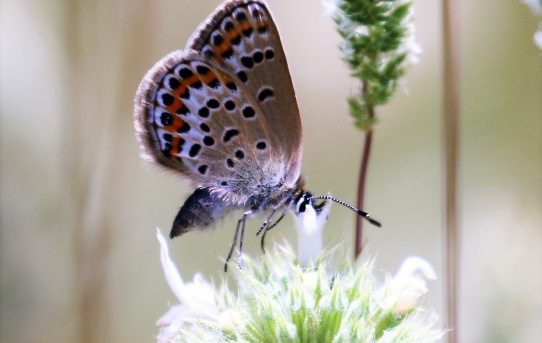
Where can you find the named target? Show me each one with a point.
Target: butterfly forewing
(242, 37)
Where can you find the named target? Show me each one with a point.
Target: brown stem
(451, 134)
(363, 176)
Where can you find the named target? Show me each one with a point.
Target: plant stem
(451, 134)
(363, 176)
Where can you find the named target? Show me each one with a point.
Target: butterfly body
(222, 113)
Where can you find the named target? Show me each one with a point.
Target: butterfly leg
(241, 240)
(240, 224)
(262, 242)
(266, 222)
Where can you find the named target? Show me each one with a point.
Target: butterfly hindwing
(242, 37)
(192, 117)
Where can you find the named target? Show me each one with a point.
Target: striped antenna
(357, 210)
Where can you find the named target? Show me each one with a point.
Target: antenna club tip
(374, 222)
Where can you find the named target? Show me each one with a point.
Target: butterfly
(222, 112)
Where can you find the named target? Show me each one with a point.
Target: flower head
(280, 300)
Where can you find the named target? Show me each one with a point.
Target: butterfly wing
(192, 117)
(223, 112)
(242, 38)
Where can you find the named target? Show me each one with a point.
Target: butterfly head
(305, 201)
(310, 214)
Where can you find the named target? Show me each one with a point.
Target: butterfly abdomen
(200, 210)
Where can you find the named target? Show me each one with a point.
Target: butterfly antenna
(357, 210)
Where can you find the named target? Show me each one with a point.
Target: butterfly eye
(302, 205)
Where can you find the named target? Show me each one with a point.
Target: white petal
(416, 267)
(171, 273)
(538, 38)
(410, 283)
(535, 5)
(197, 297)
(330, 7)
(171, 315)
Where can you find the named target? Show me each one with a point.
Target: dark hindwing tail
(199, 211)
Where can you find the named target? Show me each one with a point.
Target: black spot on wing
(229, 135)
(194, 150)
(213, 103)
(208, 140)
(248, 112)
(242, 76)
(184, 129)
(203, 169)
(265, 94)
(203, 112)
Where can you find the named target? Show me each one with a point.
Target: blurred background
(79, 259)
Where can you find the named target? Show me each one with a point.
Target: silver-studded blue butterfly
(223, 113)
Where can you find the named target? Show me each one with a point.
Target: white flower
(409, 284)
(330, 7)
(538, 37)
(276, 299)
(409, 45)
(197, 298)
(535, 5)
